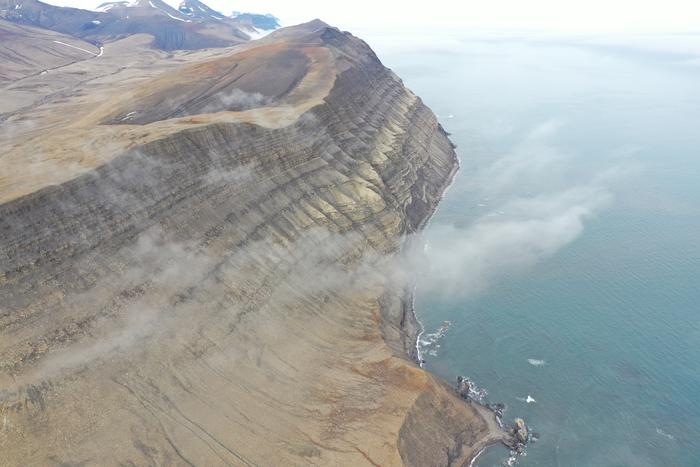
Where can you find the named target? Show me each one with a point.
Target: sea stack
(519, 437)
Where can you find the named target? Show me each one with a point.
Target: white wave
(481, 451)
(535, 362)
(664, 434)
(529, 399)
(430, 343)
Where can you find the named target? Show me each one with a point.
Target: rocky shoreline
(518, 434)
(410, 324)
(516, 437)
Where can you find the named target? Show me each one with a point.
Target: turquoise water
(601, 285)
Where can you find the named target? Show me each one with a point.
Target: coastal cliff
(194, 264)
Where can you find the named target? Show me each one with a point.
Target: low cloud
(181, 276)
(536, 209)
(235, 100)
(465, 261)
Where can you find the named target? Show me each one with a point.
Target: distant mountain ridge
(265, 22)
(193, 25)
(127, 8)
(197, 9)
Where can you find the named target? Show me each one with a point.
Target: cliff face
(214, 290)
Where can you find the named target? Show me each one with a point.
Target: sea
(562, 268)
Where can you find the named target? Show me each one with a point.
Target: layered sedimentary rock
(216, 286)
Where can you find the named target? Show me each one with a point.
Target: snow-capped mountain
(265, 22)
(174, 24)
(142, 7)
(198, 10)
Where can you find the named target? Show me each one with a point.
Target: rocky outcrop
(216, 291)
(265, 22)
(519, 437)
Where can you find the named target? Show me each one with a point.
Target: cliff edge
(194, 258)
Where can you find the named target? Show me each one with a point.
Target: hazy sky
(549, 15)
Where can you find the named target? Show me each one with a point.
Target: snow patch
(105, 7)
(258, 33)
(74, 47)
(179, 19)
(174, 4)
(122, 4)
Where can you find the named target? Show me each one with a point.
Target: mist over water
(566, 253)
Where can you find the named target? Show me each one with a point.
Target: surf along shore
(413, 329)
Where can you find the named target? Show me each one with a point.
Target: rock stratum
(194, 252)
